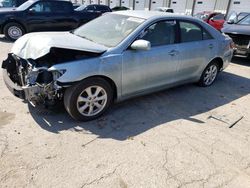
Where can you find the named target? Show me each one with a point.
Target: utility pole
(193, 7)
(228, 7)
(169, 3)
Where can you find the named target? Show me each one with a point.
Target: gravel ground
(174, 138)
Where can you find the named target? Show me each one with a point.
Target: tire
(209, 74)
(85, 107)
(13, 31)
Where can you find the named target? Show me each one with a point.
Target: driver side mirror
(212, 19)
(231, 21)
(32, 11)
(141, 45)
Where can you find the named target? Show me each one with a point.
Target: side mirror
(141, 45)
(212, 19)
(32, 11)
(230, 21)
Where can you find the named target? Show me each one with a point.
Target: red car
(214, 19)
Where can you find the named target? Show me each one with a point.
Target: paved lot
(175, 138)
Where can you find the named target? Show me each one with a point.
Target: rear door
(145, 70)
(51, 16)
(196, 48)
(64, 17)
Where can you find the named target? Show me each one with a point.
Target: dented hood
(36, 45)
(236, 29)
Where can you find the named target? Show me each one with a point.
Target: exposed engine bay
(35, 77)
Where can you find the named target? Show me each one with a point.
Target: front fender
(109, 66)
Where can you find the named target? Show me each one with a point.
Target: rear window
(219, 17)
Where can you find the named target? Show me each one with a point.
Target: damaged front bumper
(13, 87)
(34, 84)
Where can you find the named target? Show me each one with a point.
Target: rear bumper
(14, 88)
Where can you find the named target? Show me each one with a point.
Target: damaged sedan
(113, 58)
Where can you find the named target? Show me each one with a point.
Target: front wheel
(89, 99)
(209, 74)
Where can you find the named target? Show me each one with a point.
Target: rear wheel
(89, 99)
(13, 31)
(209, 74)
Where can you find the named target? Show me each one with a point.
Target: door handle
(173, 52)
(210, 46)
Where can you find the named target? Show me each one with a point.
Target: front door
(145, 70)
(39, 17)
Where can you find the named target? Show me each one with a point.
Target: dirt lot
(175, 138)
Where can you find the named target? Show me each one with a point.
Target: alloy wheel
(92, 101)
(210, 74)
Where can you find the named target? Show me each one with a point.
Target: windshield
(109, 30)
(25, 5)
(80, 8)
(245, 21)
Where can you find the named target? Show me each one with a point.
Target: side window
(160, 33)
(206, 35)
(219, 17)
(41, 7)
(90, 8)
(190, 32)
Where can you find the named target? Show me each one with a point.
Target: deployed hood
(236, 29)
(36, 45)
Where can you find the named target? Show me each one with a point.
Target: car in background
(11, 3)
(238, 28)
(164, 9)
(44, 15)
(114, 57)
(99, 9)
(75, 5)
(120, 8)
(214, 19)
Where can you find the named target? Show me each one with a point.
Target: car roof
(144, 14)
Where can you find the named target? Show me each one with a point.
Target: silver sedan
(115, 57)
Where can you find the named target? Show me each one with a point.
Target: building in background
(187, 7)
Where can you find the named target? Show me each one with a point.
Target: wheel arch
(219, 60)
(13, 21)
(109, 80)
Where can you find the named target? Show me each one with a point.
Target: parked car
(11, 3)
(115, 57)
(233, 17)
(164, 9)
(214, 19)
(238, 28)
(75, 5)
(120, 8)
(99, 9)
(45, 15)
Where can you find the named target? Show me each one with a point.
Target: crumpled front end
(26, 80)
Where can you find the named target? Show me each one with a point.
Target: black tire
(71, 98)
(17, 31)
(202, 82)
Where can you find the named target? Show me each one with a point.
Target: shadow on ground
(138, 115)
(4, 39)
